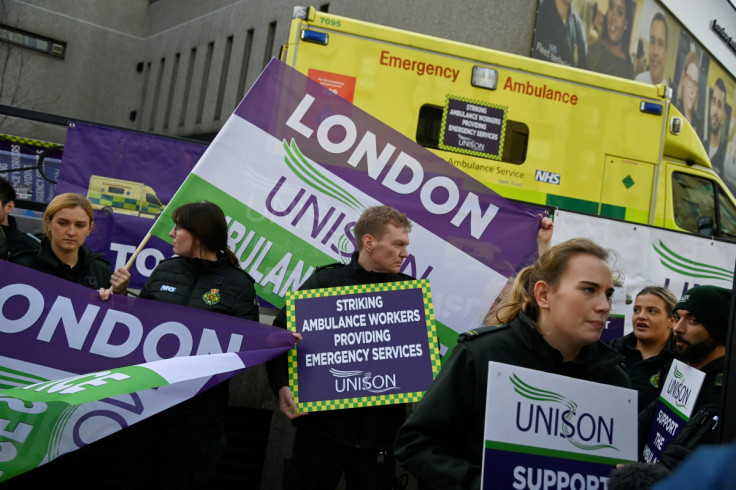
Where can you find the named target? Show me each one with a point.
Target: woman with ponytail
(551, 321)
(180, 447)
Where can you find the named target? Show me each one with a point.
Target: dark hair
(373, 221)
(719, 83)
(549, 267)
(207, 225)
(626, 35)
(7, 193)
(660, 16)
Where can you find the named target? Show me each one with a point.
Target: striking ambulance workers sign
(548, 431)
(473, 127)
(674, 407)
(364, 345)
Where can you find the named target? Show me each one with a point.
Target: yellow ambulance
(533, 131)
(124, 197)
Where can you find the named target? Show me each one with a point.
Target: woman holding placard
(551, 322)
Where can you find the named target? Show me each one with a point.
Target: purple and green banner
(294, 167)
(85, 368)
(363, 345)
(129, 177)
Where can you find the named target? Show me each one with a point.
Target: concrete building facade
(180, 67)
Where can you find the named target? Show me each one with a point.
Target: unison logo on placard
(467, 142)
(360, 381)
(540, 416)
(678, 390)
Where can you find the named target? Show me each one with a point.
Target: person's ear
(9, 206)
(541, 294)
(368, 242)
(91, 227)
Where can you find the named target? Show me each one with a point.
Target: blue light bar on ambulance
(314, 36)
(651, 108)
(484, 77)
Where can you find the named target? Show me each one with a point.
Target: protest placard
(544, 430)
(674, 407)
(474, 127)
(364, 345)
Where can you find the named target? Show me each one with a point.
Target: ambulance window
(693, 202)
(515, 142)
(116, 190)
(153, 199)
(428, 128)
(727, 216)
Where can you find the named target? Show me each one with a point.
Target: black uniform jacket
(647, 375)
(216, 286)
(441, 442)
(16, 240)
(354, 427)
(91, 269)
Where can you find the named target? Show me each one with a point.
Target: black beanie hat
(710, 306)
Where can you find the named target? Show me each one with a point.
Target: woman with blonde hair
(68, 221)
(551, 322)
(648, 348)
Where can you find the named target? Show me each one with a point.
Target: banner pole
(143, 243)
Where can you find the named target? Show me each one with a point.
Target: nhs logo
(548, 177)
(167, 288)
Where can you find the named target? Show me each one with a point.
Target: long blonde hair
(549, 268)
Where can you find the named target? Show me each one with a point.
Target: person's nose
(604, 304)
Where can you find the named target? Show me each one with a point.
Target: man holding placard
(701, 318)
(356, 441)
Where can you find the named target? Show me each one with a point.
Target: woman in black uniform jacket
(181, 446)
(69, 219)
(551, 322)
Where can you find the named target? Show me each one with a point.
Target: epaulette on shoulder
(329, 266)
(476, 332)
